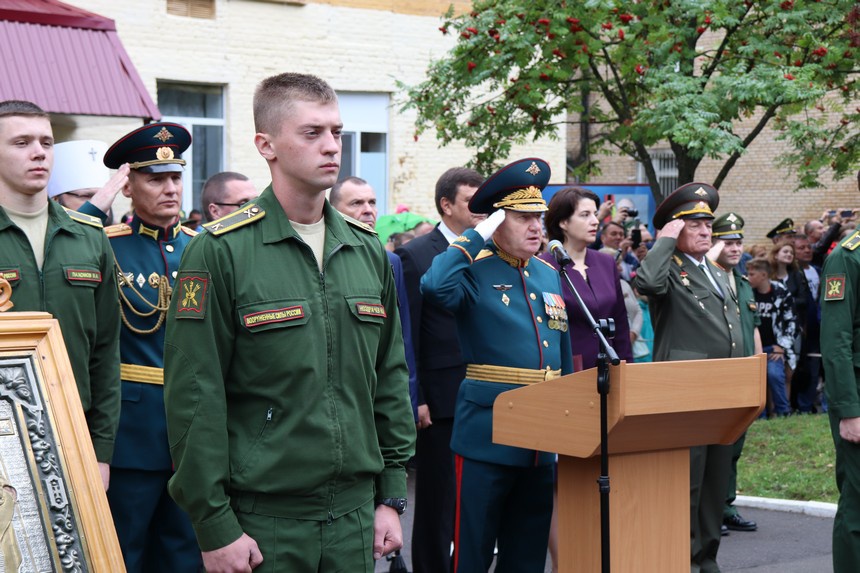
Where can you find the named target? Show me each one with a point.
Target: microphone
(557, 249)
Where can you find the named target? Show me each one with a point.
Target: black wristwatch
(396, 503)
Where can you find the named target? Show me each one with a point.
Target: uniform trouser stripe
(458, 471)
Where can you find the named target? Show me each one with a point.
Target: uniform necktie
(710, 278)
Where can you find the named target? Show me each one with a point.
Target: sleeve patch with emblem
(370, 309)
(834, 287)
(191, 295)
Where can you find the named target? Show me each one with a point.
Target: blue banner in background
(638, 193)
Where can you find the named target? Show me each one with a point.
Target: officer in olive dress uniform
(695, 317)
(840, 333)
(729, 230)
(513, 330)
(154, 533)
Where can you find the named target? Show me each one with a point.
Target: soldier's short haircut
(215, 188)
(451, 180)
(275, 95)
(21, 107)
(761, 265)
(334, 194)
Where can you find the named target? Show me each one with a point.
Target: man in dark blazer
(440, 371)
(695, 318)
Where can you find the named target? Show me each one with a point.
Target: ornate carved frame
(62, 510)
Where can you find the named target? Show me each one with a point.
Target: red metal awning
(68, 60)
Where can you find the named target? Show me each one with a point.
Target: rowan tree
(703, 76)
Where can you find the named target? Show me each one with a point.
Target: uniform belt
(145, 374)
(509, 374)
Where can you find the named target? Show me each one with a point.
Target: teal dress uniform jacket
(77, 285)
(146, 256)
(502, 319)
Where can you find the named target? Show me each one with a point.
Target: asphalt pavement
(792, 537)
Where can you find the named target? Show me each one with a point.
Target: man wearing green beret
(695, 318)
(728, 234)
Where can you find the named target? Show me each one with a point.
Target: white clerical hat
(78, 165)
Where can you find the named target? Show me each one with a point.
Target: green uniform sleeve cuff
(104, 450)
(391, 483)
(845, 410)
(218, 532)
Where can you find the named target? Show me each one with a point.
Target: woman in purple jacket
(572, 219)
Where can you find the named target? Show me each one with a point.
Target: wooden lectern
(656, 412)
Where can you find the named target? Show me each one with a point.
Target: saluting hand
(672, 229)
(241, 556)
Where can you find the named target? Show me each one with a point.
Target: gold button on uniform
(539, 319)
(526, 273)
(168, 248)
(532, 296)
(545, 344)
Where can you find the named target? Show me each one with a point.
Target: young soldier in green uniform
(695, 317)
(60, 262)
(286, 383)
(728, 234)
(513, 330)
(840, 336)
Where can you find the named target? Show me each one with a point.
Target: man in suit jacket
(440, 371)
(695, 317)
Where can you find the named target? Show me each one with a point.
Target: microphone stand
(605, 357)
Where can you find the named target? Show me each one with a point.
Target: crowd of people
(255, 390)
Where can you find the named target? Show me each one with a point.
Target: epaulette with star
(118, 230)
(544, 262)
(249, 213)
(84, 218)
(852, 242)
(356, 223)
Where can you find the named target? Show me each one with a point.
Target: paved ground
(792, 537)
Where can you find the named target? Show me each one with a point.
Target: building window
(666, 167)
(200, 109)
(365, 141)
(191, 8)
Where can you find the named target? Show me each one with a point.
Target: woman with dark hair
(572, 219)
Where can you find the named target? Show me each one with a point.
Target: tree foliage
(703, 76)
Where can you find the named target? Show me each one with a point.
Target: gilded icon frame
(61, 520)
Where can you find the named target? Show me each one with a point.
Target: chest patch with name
(10, 275)
(274, 315)
(834, 287)
(190, 296)
(369, 309)
(84, 275)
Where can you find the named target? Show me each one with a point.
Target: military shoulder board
(118, 230)
(545, 262)
(84, 218)
(356, 223)
(852, 242)
(483, 254)
(249, 213)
